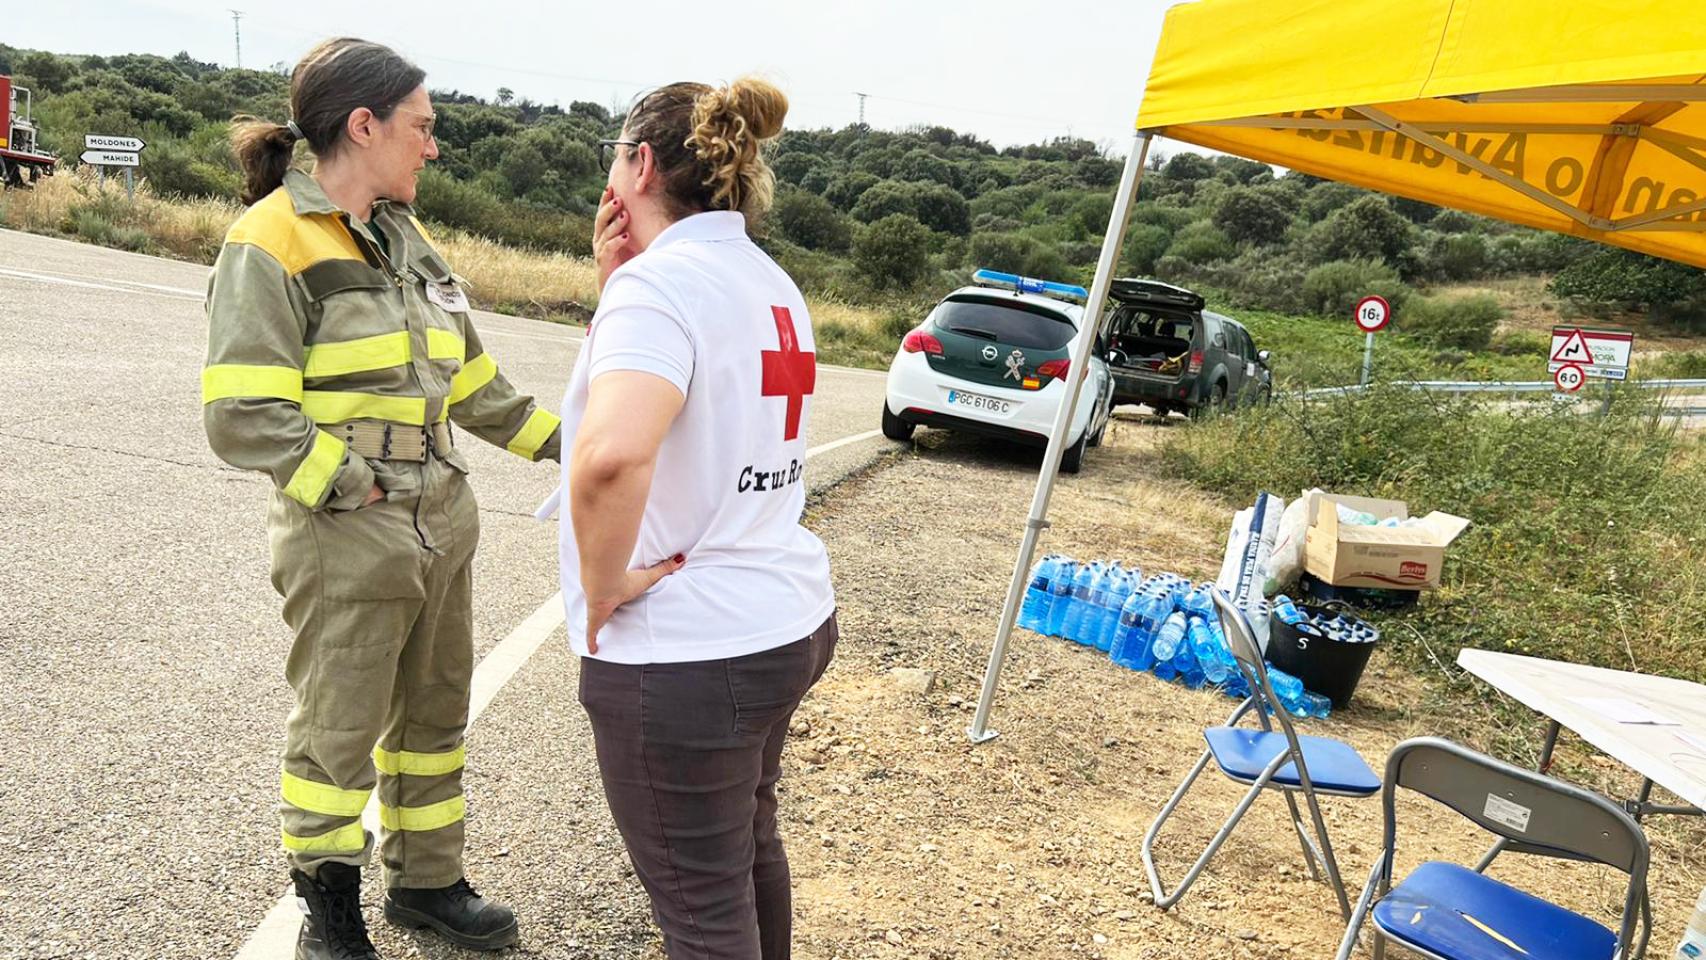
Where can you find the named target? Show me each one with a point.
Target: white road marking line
(275, 937)
(487, 331)
(174, 293)
(861, 371)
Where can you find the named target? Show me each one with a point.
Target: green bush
(811, 221)
(1253, 216)
(1677, 364)
(1522, 343)
(1144, 245)
(1367, 228)
(1201, 242)
(1333, 289)
(1619, 279)
(894, 252)
(1264, 279)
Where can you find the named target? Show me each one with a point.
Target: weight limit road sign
(1373, 313)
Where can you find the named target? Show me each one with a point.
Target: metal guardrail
(1497, 386)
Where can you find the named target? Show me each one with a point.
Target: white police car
(992, 358)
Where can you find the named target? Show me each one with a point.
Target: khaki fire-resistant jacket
(310, 325)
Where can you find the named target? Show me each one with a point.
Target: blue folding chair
(1266, 759)
(1451, 912)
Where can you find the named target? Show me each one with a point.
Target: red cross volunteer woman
(701, 608)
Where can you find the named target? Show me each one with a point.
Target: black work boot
(464, 917)
(333, 928)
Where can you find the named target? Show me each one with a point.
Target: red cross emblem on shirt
(788, 372)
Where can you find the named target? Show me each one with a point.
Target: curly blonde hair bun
(719, 164)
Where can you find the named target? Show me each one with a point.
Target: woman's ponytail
(263, 150)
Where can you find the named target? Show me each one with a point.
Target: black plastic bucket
(1329, 667)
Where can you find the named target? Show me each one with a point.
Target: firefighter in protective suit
(340, 352)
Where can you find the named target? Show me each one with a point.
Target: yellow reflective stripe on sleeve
(534, 433)
(349, 838)
(322, 798)
(475, 374)
(308, 484)
(355, 356)
(409, 763)
(223, 381)
(430, 817)
(330, 406)
(445, 345)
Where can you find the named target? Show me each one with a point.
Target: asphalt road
(142, 647)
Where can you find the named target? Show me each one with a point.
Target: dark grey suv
(1166, 351)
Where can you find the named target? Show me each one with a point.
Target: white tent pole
(1124, 199)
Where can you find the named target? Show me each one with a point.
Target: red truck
(19, 155)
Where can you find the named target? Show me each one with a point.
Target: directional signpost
(1372, 314)
(102, 151)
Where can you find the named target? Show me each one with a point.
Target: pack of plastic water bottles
(1161, 624)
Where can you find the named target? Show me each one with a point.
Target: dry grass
(506, 279)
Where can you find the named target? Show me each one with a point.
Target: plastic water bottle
(1060, 595)
(1095, 604)
(1131, 643)
(1160, 604)
(1287, 611)
(1693, 945)
(1140, 651)
(1317, 706)
(1208, 656)
(1186, 666)
(1033, 612)
(1170, 636)
(1287, 687)
(1118, 593)
(1082, 581)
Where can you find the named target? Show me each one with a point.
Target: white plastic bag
(1285, 566)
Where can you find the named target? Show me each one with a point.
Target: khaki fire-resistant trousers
(379, 600)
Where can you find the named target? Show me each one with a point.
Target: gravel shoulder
(907, 841)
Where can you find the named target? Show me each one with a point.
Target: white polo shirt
(704, 308)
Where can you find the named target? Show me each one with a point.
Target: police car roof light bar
(1018, 284)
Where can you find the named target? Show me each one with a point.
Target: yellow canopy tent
(1587, 117)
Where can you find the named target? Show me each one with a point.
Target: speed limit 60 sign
(1373, 313)
(1569, 377)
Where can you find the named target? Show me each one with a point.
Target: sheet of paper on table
(1619, 710)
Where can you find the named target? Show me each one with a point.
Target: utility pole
(861, 97)
(237, 29)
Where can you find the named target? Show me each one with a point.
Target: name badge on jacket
(447, 296)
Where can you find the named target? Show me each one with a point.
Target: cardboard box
(1401, 558)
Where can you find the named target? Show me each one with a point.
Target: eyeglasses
(607, 151)
(425, 129)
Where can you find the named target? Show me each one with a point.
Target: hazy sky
(1010, 71)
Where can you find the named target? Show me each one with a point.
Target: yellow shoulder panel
(296, 242)
(422, 230)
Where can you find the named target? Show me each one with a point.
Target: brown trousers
(690, 754)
